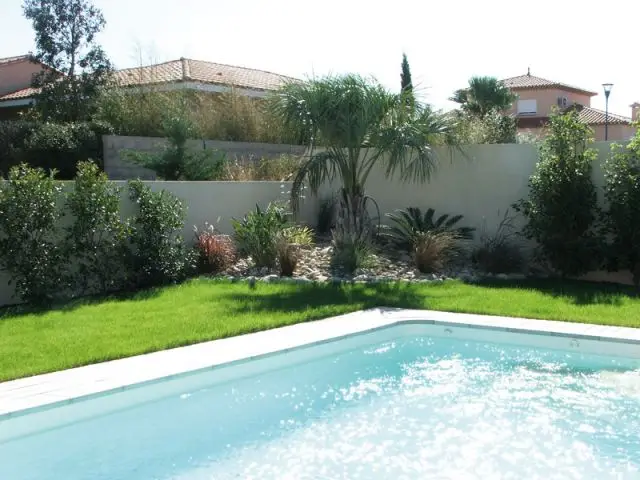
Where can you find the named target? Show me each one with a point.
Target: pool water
(411, 407)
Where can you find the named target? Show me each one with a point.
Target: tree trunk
(353, 232)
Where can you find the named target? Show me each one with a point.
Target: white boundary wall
(479, 183)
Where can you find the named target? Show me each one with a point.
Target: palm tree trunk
(353, 222)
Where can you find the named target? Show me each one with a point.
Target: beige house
(537, 97)
(16, 75)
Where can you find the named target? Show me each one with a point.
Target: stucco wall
(479, 183)
(617, 133)
(119, 169)
(547, 99)
(18, 75)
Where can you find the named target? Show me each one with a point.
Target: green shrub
(622, 219)
(96, 241)
(407, 226)
(51, 146)
(29, 238)
(257, 234)
(499, 252)
(158, 254)
(13, 134)
(495, 127)
(562, 205)
(177, 161)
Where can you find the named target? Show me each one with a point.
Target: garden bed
(383, 266)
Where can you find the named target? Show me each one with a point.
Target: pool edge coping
(26, 395)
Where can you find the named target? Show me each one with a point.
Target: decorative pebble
(314, 265)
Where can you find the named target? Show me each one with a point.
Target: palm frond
(407, 142)
(317, 169)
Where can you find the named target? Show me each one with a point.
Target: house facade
(538, 97)
(16, 76)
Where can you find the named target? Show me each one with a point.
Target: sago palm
(408, 225)
(356, 125)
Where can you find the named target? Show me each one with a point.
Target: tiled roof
(187, 70)
(183, 70)
(20, 94)
(18, 58)
(530, 81)
(593, 116)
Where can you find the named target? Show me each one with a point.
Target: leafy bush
(177, 161)
(29, 242)
(96, 241)
(216, 252)
(562, 204)
(257, 234)
(495, 127)
(499, 252)
(13, 134)
(622, 219)
(408, 225)
(433, 249)
(51, 146)
(62, 146)
(158, 254)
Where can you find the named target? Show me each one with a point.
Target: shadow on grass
(301, 298)
(578, 292)
(8, 312)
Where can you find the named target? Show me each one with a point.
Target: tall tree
(405, 77)
(484, 95)
(65, 33)
(406, 83)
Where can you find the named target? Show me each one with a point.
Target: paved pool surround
(41, 392)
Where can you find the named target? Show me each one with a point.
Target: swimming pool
(407, 401)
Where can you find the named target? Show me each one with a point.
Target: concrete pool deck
(18, 397)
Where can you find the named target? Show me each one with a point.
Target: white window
(527, 107)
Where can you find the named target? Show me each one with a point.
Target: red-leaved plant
(217, 251)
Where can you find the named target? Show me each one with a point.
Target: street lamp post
(607, 90)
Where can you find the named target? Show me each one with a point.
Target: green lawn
(86, 332)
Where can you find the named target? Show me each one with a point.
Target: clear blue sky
(572, 41)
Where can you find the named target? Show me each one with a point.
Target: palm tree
(484, 95)
(354, 125)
